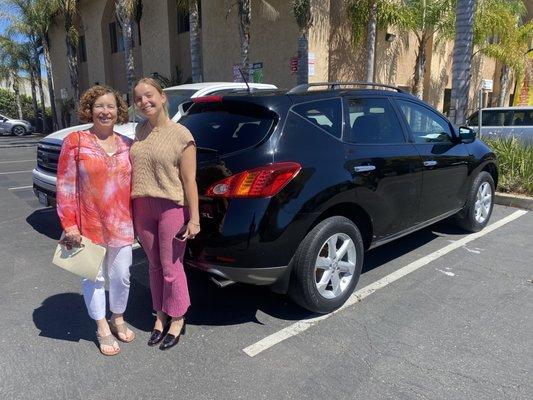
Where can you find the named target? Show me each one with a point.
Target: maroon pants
(156, 222)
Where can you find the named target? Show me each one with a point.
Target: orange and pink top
(104, 209)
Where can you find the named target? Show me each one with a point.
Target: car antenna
(245, 81)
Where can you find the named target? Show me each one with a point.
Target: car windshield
(177, 97)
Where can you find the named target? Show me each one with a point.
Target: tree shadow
(46, 222)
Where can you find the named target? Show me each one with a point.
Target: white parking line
(14, 172)
(301, 326)
(20, 188)
(18, 161)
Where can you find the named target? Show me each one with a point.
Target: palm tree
(191, 7)
(501, 33)
(26, 61)
(68, 9)
(427, 19)
(10, 53)
(301, 10)
(366, 17)
(126, 12)
(244, 16)
(462, 58)
(33, 18)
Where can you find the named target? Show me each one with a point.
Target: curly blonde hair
(88, 98)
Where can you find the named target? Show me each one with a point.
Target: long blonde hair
(155, 84)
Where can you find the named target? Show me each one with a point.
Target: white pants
(117, 262)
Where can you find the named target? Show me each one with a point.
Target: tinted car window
(326, 114)
(175, 98)
(426, 126)
(373, 121)
(228, 127)
(522, 117)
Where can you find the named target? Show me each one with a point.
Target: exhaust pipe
(220, 281)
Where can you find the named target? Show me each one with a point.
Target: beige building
(161, 45)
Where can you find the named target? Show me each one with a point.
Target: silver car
(505, 122)
(17, 127)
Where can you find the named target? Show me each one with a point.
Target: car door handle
(430, 163)
(364, 168)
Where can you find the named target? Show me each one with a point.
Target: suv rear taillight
(263, 181)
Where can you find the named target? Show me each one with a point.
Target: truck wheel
(327, 265)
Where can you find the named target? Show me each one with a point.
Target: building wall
(272, 42)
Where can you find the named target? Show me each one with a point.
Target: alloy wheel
(483, 202)
(335, 266)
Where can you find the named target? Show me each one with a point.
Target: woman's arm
(66, 190)
(188, 177)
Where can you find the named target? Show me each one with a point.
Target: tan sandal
(110, 341)
(121, 329)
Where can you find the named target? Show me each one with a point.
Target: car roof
(220, 86)
(512, 108)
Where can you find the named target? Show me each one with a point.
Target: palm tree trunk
(196, 47)
(303, 57)
(245, 17)
(49, 75)
(418, 81)
(45, 127)
(126, 20)
(505, 80)
(33, 96)
(371, 41)
(72, 57)
(16, 89)
(462, 59)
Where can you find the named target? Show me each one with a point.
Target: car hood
(57, 137)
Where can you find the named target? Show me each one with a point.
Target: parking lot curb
(514, 200)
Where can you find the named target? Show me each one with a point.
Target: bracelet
(195, 224)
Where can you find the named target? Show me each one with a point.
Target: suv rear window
(227, 127)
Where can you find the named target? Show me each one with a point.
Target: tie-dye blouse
(105, 186)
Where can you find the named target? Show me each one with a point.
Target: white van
(505, 122)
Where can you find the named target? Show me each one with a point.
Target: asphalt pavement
(459, 326)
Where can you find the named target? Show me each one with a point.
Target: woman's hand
(193, 228)
(71, 239)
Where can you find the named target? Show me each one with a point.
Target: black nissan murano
(296, 185)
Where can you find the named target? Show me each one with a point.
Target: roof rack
(337, 85)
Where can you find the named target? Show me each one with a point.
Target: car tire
(322, 284)
(18, 130)
(478, 209)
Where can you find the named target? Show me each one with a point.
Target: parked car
(296, 185)
(179, 99)
(505, 122)
(17, 127)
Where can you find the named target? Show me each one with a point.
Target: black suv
(296, 185)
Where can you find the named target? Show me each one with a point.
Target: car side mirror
(467, 135)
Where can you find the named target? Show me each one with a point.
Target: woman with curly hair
(93, 200)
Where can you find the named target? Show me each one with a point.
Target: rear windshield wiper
(206, 150)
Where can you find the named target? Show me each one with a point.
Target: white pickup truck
(179, 100)
(505, 122)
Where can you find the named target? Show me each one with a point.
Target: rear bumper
(255, 276)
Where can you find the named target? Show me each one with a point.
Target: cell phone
(179, 236)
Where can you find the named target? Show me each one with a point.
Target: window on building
(183, 19)
(447, 102)
(116, 38)
(82, 49)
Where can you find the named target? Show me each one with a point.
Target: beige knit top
(155, 158)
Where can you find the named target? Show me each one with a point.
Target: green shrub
(8, 106)
(516, 165)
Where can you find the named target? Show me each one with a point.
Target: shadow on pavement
(46, 222)
(64, 316)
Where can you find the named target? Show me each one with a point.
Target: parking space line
(301, 326)
(14, 172)
(20, 188)
(18, 161)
